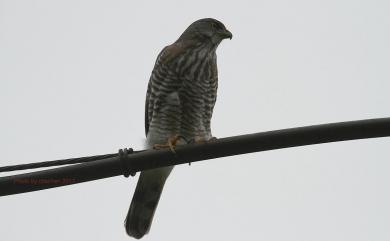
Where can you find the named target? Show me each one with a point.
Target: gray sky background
(73, 77)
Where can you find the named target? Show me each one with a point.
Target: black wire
(55, 162)
(229, 146)
(61, 162)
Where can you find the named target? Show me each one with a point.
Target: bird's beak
(226, 34)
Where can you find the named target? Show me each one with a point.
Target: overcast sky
(73, 76)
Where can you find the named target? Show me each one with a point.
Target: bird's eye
(214, 26)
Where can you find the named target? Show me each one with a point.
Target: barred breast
(182, 92)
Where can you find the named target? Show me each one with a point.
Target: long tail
(145, 200)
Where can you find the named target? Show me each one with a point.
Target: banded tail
(145, 200)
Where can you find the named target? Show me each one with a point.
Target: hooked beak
(226, 34)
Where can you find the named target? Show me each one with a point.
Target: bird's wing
(159, 73)
(147, 121)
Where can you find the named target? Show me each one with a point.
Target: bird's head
(206, 30)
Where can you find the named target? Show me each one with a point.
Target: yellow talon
(171, 144)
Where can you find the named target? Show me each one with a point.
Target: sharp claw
(171, 146)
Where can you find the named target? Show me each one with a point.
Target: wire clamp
(124, 160)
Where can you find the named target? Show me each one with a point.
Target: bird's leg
(171, 143)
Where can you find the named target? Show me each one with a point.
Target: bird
(180, 99)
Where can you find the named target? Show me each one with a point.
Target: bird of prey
(180, 99)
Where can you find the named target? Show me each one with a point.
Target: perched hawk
(179, 104)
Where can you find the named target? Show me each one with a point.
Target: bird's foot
(171, 143)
